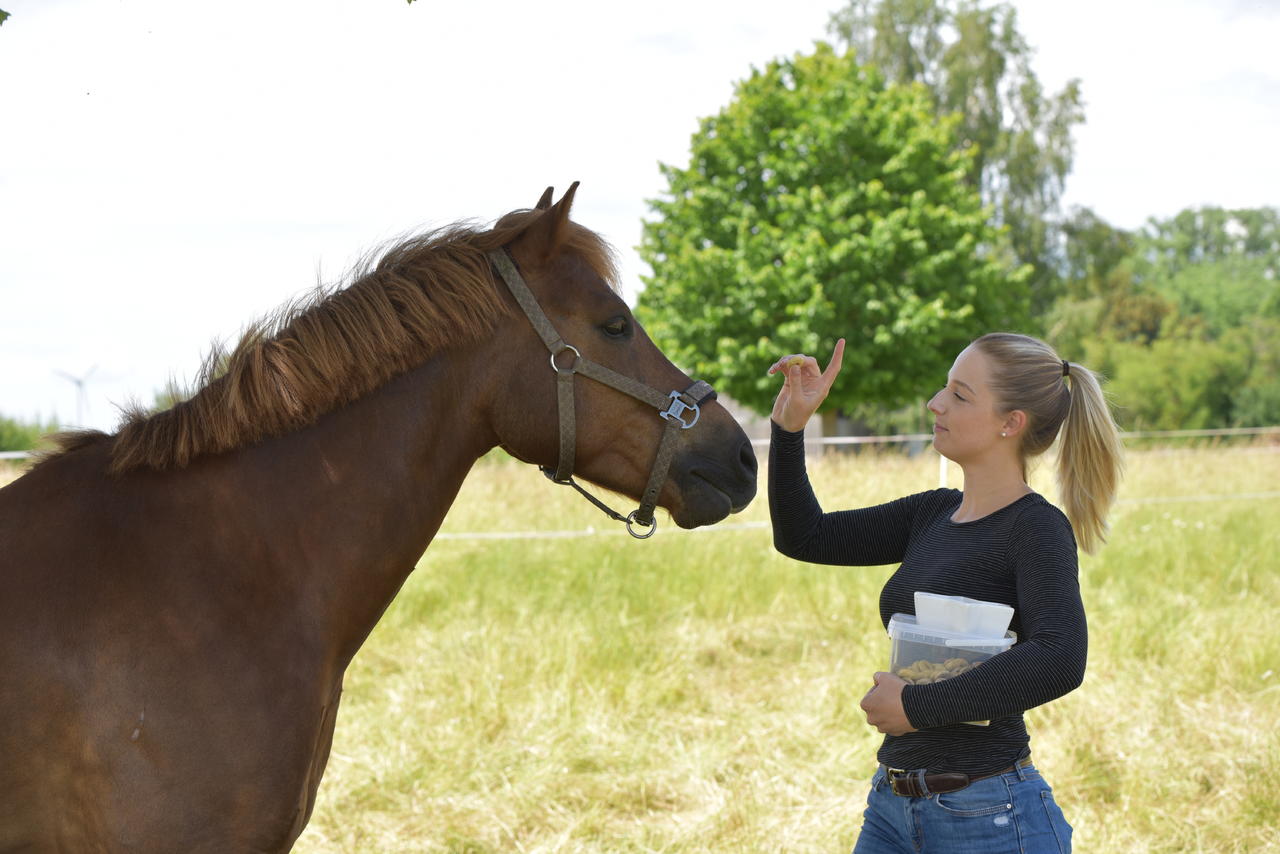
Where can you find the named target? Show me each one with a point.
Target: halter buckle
(677, 408)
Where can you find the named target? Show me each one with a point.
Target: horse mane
(310, 357)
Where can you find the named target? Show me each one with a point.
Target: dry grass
(9, 471)
(698, 692)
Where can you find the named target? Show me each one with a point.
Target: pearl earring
(1003, 435)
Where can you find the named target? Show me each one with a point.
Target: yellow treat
(795, 360)
(925, 672)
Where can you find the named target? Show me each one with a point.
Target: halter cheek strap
(680, 409)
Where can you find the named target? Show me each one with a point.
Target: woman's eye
(616, 328)
(957, 394)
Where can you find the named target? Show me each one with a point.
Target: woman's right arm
(870, 536)
(867, 537)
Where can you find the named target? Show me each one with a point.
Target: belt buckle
(892, 775)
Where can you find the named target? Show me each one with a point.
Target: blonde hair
(1061, 396)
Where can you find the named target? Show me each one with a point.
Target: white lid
(904, 627)
(962, 614)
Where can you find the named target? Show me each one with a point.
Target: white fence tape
(902, 438)
(756, 526)
(1135, 434)
(592, 531)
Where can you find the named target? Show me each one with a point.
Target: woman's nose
(932, 404)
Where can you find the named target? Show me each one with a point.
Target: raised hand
(804, 387)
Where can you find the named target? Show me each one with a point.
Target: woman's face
(967, 424)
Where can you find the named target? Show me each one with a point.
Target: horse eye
(616, 328)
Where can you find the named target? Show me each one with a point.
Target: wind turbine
(82, 397)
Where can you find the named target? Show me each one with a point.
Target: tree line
(901, 187)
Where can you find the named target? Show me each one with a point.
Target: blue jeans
(1011, 813)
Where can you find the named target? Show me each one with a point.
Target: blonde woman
(945, 786)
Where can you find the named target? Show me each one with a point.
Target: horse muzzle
(712, 480)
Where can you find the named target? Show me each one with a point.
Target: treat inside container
(962, 614)
(923, 655)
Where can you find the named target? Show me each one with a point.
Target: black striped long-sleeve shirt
(1022, 555)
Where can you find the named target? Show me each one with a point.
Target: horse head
(587, 366)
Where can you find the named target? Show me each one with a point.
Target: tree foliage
(1197, 235)
(822, 203)
(976, 65)
(18, 435)
(1183, 315)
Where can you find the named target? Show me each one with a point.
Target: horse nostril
(748, 457)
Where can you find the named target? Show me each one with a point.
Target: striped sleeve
(869, 536)
(1049, 659)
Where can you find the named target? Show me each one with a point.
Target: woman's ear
(1014, 423)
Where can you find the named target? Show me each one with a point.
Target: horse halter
(675, 406)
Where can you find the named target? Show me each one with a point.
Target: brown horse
(179, 601)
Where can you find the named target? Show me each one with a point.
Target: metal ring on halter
(576, 357)
(653, 526)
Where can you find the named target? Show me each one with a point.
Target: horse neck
(362, 493)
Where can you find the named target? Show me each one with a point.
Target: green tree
(1216, 269)
(823, 203)
(18, 435)
(977, 65)
(1198, 235)
(1205, 269)
(1222, 294)
(1255, 402)
(1169, 384)
(1187, 323)
(1093, 251)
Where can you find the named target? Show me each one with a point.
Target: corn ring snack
(924, 672)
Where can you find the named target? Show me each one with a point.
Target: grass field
(699, 693)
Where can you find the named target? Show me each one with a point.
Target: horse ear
(566, 201)
(548, 231)
(545, 201)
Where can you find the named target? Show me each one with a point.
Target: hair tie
(1066, 368)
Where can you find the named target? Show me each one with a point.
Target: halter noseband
(681, 409)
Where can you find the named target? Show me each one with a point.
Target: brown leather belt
(907, 783)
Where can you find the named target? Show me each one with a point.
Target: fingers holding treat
(786, 363)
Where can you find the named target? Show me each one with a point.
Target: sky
(170, 172)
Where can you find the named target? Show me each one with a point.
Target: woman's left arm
(1049, 659)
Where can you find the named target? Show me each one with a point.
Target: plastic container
(962, 615)
(922, 655)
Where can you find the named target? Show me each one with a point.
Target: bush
(18, 435)
(1169, 384)
(1256, 401)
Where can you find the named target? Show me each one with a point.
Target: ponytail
(1089, 459)
(1061, 397)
